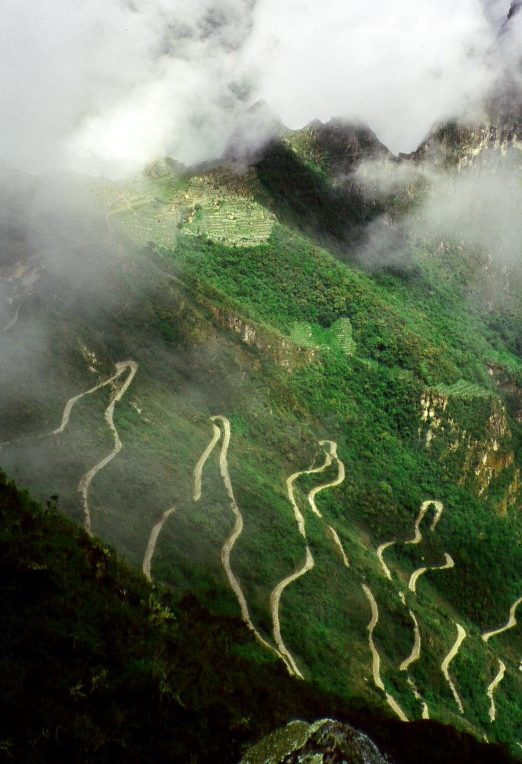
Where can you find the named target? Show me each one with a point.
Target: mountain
(288, 385)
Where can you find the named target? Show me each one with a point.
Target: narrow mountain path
(412, 585)
(68, 409)
(330, 450)
(511, 623)
(439, 507)
(72, 401)
(153, 539)
(198, 469)
(380, 552)
(416, 650)
(413, 657)
(419, 698)
(449, 563)
(238, 525)
(338, 544)
(275, 599)
(331, 456)
(376, 659)
(86, 480)
(444, 667)
(290, 487)
(341, 474)
(417, 537)
(492, 687)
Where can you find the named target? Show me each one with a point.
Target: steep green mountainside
(363, 393)
(97, 665)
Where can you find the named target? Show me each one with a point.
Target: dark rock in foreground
(325, 742)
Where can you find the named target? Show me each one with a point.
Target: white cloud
(108, 85)
(397, 65)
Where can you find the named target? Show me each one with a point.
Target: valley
(253, 355)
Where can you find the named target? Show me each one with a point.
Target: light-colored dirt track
(492, 687)
(449, 563)
(198, 469)
(71, 402)
(330, 449)
(338, 544)
(341, 474)
(413, 657)
(329, 457)
(416, 651)
(444, 667)
(68, 409)
(238, 525)
(376, 660)
(275, 598)
(417, 536)
(86, 480)
(439, 507)
(153, 538)
(511, 623)
(380, 551)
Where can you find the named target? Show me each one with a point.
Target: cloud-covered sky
(105, 86)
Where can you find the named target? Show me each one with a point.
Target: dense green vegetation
(99, 666)
(295, 344)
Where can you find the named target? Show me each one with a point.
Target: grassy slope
(98, 666)
(408, 334)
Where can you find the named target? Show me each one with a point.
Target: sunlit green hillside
(376, 389)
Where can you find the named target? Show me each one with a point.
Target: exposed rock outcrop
(281, 350)
(478, 460)
(324, 742)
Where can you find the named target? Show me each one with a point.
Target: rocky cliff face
(491, 144)
(476, 461)
(279, 349)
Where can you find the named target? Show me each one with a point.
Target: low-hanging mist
(106, 87)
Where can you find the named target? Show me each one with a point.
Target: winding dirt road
(238, 525)
(198, 469)
(417, 537)
(413, 657)
(376, 659)
(338, 544)
(412, 585)
(71, 402)
(444, 666)
(275, 598)
(449, 563)
(512, 622)
(380, 552)
(153, 538)
(341, 474)
(492, 687)
(439, 507)
(329, 457)
(416, 650)
(86, 480)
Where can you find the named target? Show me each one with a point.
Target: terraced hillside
(328, 450)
